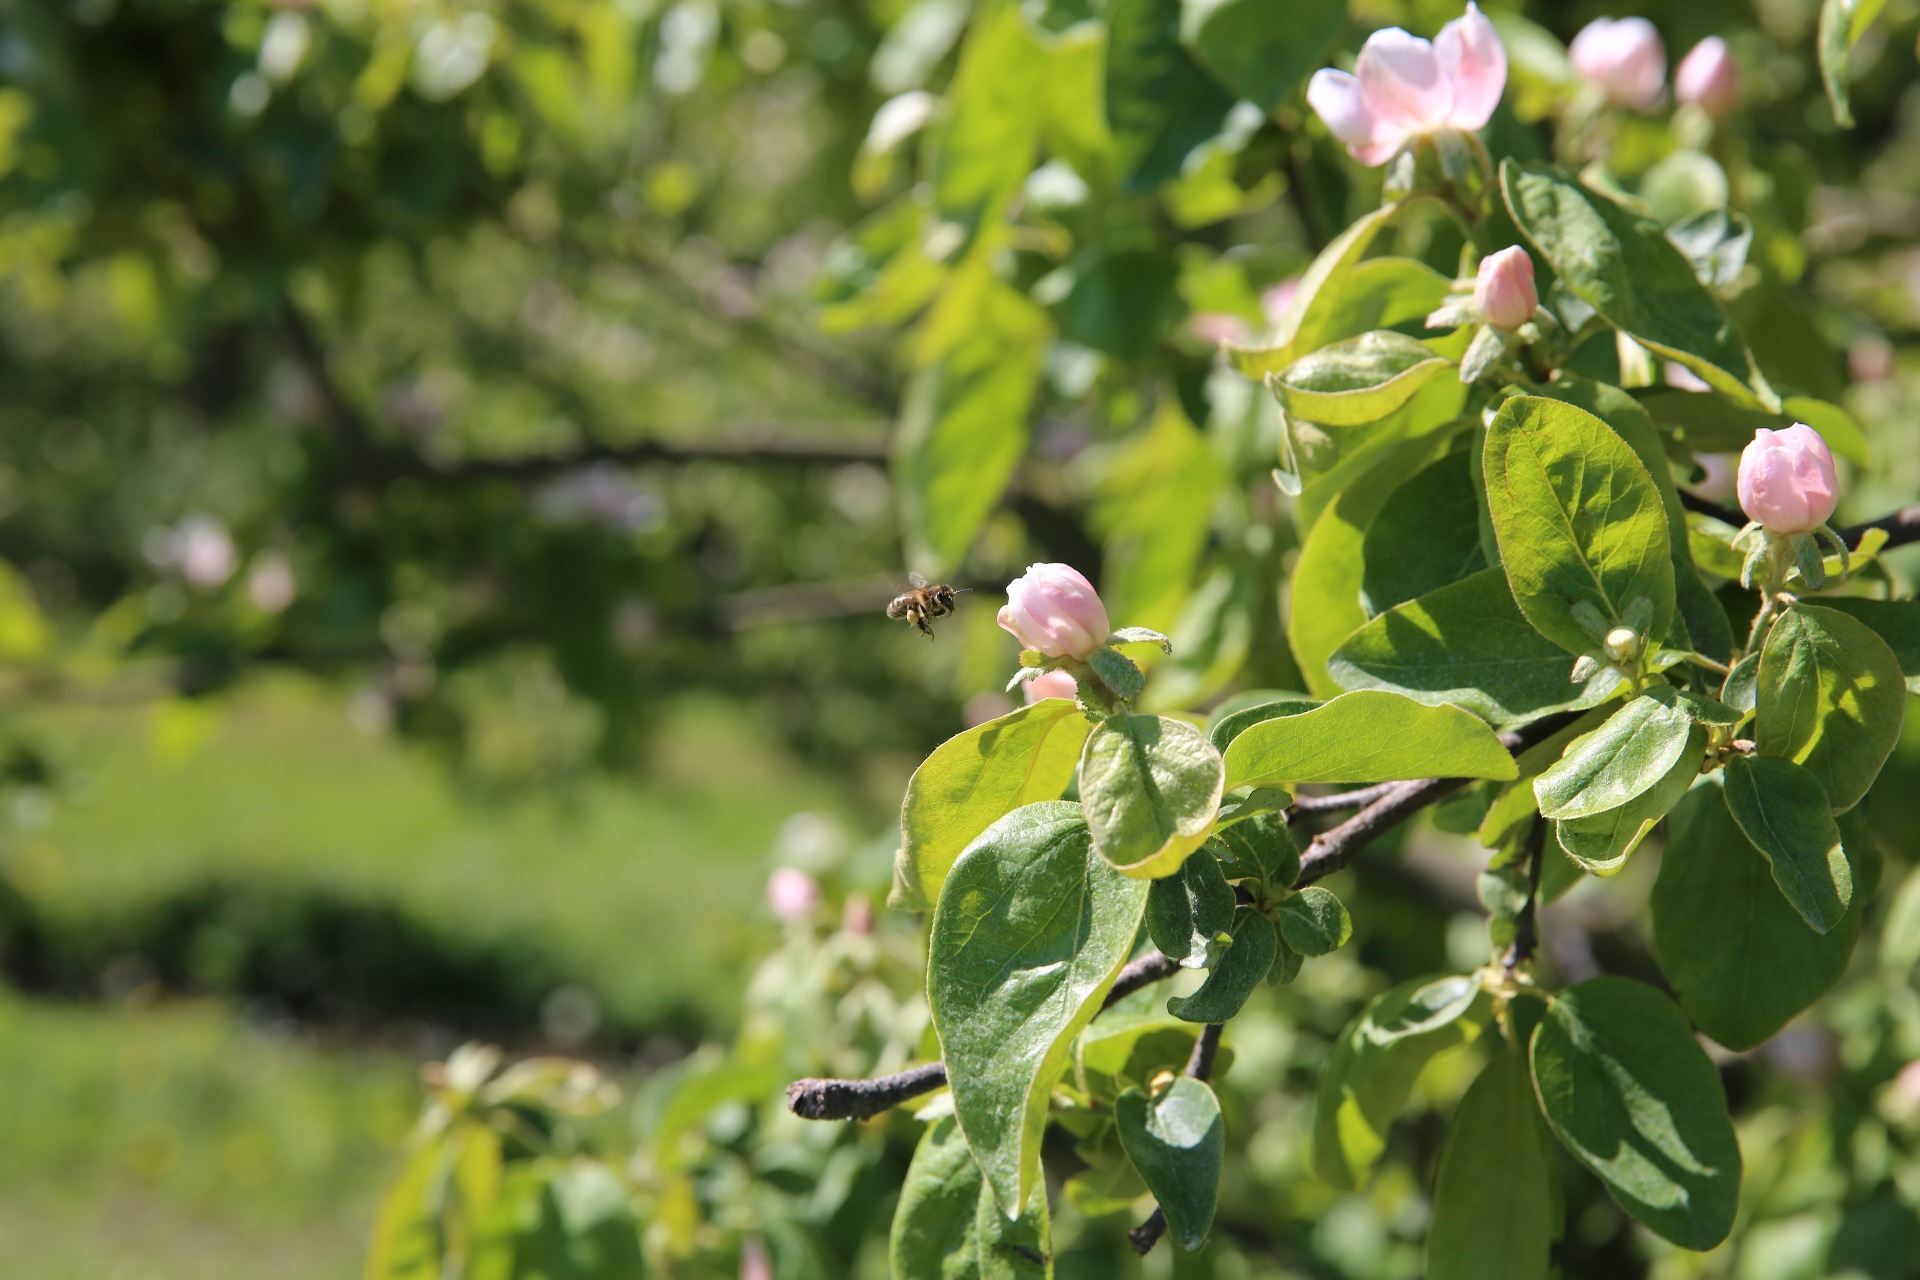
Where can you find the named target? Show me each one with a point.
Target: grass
(181, 1140)
(652, 890)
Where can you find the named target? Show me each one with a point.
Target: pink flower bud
(1052, 608)
(792, 893)
(1503, 292)
(1403, 87)
(1052, 684)
(1625, 58)
(1707, 78)
(1786, 481)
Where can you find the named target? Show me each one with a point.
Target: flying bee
(924, 603)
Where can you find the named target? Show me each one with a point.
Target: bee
(924, 603)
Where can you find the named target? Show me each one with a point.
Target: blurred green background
(445, 515)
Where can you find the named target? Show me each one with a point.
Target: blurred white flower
(792, 893)
(602, 494)
(198, 549)
(270, 581)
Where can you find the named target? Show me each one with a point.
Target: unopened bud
(1622, 644)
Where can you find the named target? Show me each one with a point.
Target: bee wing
(916, 579)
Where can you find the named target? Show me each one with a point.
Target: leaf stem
(1526, 932)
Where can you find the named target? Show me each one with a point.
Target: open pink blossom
(1625, 58)
(1708, 78)
(1503, 291)
(1403, 87)
(1052, 608)
(1786, 482)
(1051, 684)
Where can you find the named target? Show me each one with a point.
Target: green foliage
(1375, 1062)
(1030, 931)
(1632, 1095)
(1783, 811)
(975, 779)
(1831, 698)
(1236, 975)
(1637, 747)
(1581, 527)
(1494, 1214)
(1358, 381)
(1190, 913)
(1366, 736)
(1744, 969)
(1150, 787)
(949, 1225)
(1177, 1141)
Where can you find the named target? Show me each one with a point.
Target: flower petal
(1335, 97)
(1472, 57)
(1401, 82)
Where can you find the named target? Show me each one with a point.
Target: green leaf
(1895, 621)
(1602, 842)
(1367, 736)
(972, 780)
(1140, 635)
(1259, 51)
(1241, 969)
(1309, 320)
(1323, 608)
(1150, 786)
(1579, 521)
(1109, 1184)
(1375, 1062)
(1493, 1210)
(1711, 424)
(1262, 847)
(1739, 956)
(986, 148)
(1160, 103)
(1177, 1141)
(1900, 934)
(1232, 725)
(1425, 538)
(1831, 697)
(1783, 809)
(1637, 747)
(1622, 264)
(1842, 22)
(1708, 631)
(1358, 381)
(947, 1224)
(1467, 645)
(1313, 922)
(963, 424)
(1030, 932)
(1152, 499)
(1124, 1050)
(1717, 242)
(1190, 913)
(1117, 672)
(1630, 1092)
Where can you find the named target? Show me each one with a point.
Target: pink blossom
(1217, 326)
(1786, 482)
(1708, 78)
(1503, 291)
(1052, 684)
(1277, 297)
(792, 893)
(1403, 87)
(1052, 608)
(1625, 58)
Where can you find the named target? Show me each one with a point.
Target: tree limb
(825, 1099)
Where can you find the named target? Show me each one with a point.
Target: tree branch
(1526, 930)
(826, 1099)
(1200, 1067)
(1333, 849)
(1358, 798)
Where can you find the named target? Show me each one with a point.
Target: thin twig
(1358, 798)
(1526, 931)
(1333, 849)
(827, 1099)
(1200, 1067)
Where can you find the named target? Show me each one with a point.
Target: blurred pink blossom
(1708, 78)
(1053, 609)
(1625, 58)
(792, 893)
(1051, 684)
(1403, 87)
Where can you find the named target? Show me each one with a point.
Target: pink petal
(1335, 97)
(1401, 82)
(1472, 57)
